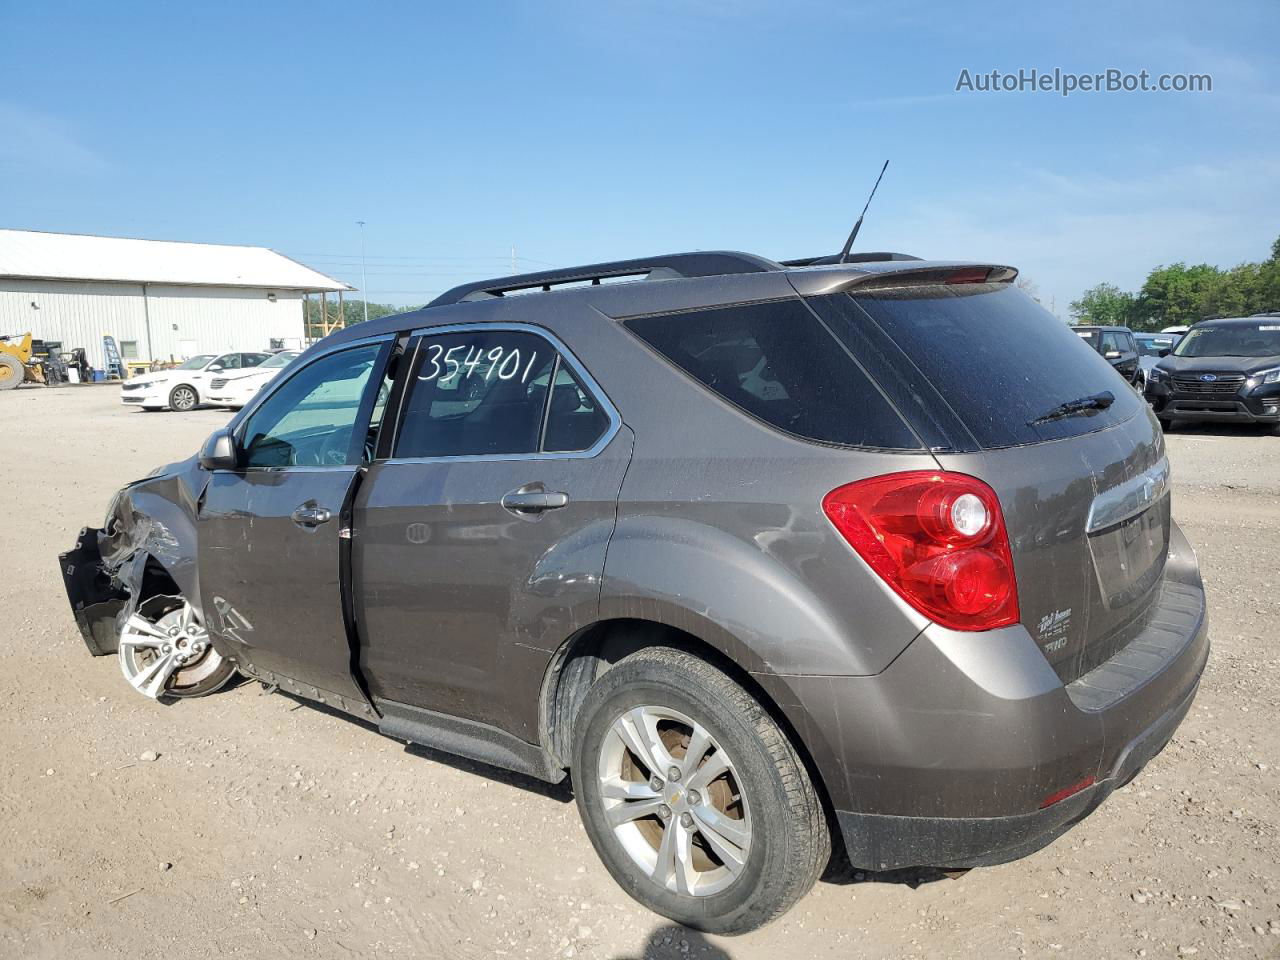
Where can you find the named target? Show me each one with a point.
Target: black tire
(790, 842)
(183, 398)
(11, 372)
(1169, 424)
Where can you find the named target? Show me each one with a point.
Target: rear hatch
(976, 367)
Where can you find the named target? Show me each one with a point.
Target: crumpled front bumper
(96, 596)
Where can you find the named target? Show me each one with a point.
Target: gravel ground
(248, 824)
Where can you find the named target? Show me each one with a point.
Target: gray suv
(779, 562)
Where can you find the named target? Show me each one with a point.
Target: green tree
(1178, 294)
(1104, 305)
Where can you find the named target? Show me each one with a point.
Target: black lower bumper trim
(94, 599)
(879, 842)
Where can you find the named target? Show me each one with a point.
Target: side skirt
(466, 738)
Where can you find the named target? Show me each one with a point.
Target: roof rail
(851, 258)
(710, 264)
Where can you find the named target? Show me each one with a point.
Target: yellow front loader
(15, 362)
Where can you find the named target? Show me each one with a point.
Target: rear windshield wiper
(1097, 401)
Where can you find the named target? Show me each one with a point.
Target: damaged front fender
(147, 545)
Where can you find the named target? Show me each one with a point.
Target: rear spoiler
(889, 275)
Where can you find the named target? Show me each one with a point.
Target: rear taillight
(936, 538)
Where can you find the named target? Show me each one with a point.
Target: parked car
(1117, 346)
(1225, 370)
(757, 553)
(1151, 347)
(236, 389)
(185, 386)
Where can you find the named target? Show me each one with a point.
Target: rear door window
(778, 363)
(476, 393)
(993, 355)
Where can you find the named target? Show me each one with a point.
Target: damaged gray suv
(778, 562)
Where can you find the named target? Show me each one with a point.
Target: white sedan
(237, 389)
(186, 386)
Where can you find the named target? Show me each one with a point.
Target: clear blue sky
(591, 130)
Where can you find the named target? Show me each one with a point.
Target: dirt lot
(251, 825)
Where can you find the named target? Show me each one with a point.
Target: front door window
(310, 420)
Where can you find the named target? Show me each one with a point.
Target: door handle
(522, 501)
(310, 514)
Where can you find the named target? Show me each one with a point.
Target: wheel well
(156, 581)
(592, 651)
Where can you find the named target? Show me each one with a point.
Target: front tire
(731, 833)
(183, 398)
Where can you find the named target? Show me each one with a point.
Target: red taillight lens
(936, 538)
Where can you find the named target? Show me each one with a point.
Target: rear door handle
(521, 501)
(311, 514)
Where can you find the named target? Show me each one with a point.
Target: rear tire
(742, 844)
(11, 371)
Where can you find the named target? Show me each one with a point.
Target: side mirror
(219, 452)
(216, 368)
(1165, 351)
(1112, 354)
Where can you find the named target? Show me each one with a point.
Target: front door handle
(537, 501)
(311, 514)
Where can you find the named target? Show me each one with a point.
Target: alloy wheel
(674, 800)
(183, 399)
(170, 655)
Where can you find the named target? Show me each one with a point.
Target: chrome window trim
(566, 356)
(277, 382)
(1128, 499)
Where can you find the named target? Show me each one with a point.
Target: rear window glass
(998, 359)
(778, 363)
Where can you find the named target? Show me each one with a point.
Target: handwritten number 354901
(498, 361)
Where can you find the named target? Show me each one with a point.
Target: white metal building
(160, 300)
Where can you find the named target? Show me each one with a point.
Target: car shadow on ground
(674, 942)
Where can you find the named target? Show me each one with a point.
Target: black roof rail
(834, 258)
(710, 264)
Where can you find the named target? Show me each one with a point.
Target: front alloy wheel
(183, 398)
(165, 651)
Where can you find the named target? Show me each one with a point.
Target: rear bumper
(949, 756)
(880, 842)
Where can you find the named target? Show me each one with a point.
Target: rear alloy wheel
(183, 398)
(165, 652)
(693, 797)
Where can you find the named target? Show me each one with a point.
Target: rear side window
(1115, 341)
(575, 419)
(997, 358)
(777, 362)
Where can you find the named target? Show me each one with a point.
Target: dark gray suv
(771, 558)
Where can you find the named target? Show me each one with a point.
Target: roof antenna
(844, 254)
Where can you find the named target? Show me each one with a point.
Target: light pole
(364, 279)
